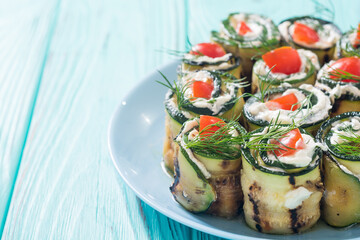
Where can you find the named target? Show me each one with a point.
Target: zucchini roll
(341, 80)
(349, 44)
(247, 35)
(341, 164)
(203, 92)
(311, 33)
(285, 65)
(207, 173)
(305, 105)
(281, 180)
(210, 56)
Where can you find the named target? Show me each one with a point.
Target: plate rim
(174, 216)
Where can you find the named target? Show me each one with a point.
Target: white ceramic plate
(136, 134)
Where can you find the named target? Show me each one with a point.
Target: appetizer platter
(256, 123)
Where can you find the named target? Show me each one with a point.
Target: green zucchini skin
(267, 82)
(324, 55)
(236, 44)
(340, 206)
(344, 47)
(265, 189)
(252, 124)
(220, 194)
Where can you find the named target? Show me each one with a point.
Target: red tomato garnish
(286, 102)
(284, 60)
(205, 121)
(304, 34)
(242, 28)
(202, 89)
(346, 65)
(293, 140)
(212, 50)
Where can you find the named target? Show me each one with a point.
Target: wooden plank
(67, 186)
(20, 74)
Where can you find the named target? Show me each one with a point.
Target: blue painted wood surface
(65, 65)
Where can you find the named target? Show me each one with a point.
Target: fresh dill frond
(178, 89)
(342, 74)
(220, 142)
(304, 104)
(351, 144)
(351, 51)
(324, 11)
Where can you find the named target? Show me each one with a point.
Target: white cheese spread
(315, 113)
(294, 198)
(307, 58)
(328, 34)
(339, 129)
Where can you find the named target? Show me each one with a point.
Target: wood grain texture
(25, 33)
(67, 187)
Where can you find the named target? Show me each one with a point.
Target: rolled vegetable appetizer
(247, 35)
(305, 105)
(204, 92)
(284, 65)
(311, 33)
(341, 80)
(207, 174)
(281, 180)
(210, 56)
(341, 164)
(349, 44)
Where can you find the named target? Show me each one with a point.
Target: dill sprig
(351, 51)
(264, 87)
(220, 142)
(178, 89)
(275, 131)
(304, 104)
(342, 74)
(324, 11)
(351, 144)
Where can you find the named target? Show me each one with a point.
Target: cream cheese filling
(305, 56)
(317, 112)
(197, 58)
(294, 198)
(214, 104)
(339, 89)
(328, 35)
(302, 157)
(339, 128)
(256, 23)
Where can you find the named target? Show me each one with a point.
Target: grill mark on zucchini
(294, 218)
(176, 176)
(253, 189)
(292, 180)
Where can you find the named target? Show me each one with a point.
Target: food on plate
(284, 65)
(210, 56)
(341, 164)
(311, 33)
(247, 35)
(281, 180)
(207, 169)
(203, 92)
(349, 44)
(305, 105)
(341, 80)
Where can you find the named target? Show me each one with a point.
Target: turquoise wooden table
(64, 67)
